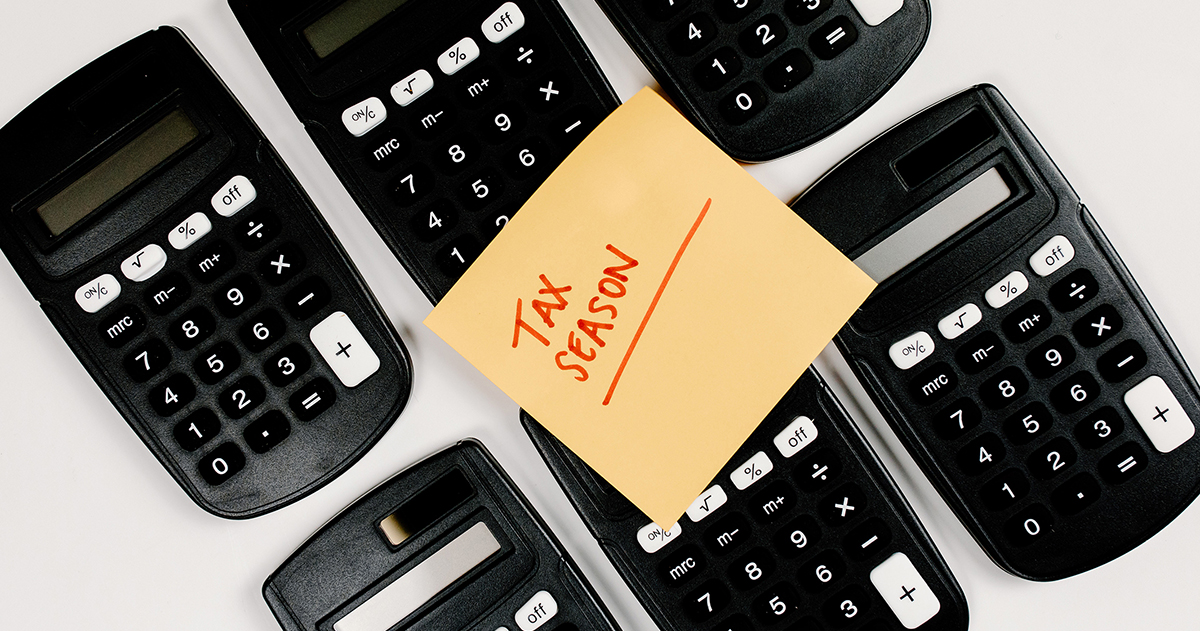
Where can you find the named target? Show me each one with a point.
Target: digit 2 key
(194, 279)
(440, 118)
(1007, 344)
(801, 530)
(766, 78)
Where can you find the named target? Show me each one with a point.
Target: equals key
(257, 230)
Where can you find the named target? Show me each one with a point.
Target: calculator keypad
(219, 340)
(471, 130)
(792, 535)
(1038, 462)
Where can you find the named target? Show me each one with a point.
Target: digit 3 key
(801, 530)
(766, 78)
(194, 279)
(1007, 344)
(440, 118)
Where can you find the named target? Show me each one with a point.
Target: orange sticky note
(649, 304)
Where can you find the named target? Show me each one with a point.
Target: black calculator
(440, 118)
(765, 79)
(802, 530)
(1007, 344)
(195, 280)
(449, 544)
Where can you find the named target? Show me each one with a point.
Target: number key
(706, 601)
(777, 603)
(1004, 387)
(1052, 458)
(413, 184)
(287, 365)
(1099, 427)
(221, 464)
(1029, 525)
(1078, 391)
(692, 34)
(743, 103)
(1027, 423)
(503, 123)
(171, 395)
(217, 363)
(958, 419)
(261, 331)
(798, 536)
(751, 569)
(1004, 490)
(763, 35)
(456, 155)
(477, 192)
(847, 606)
(823, 569)
(980, 454)
(457, 256)
(235, 298)
(243, 396)
(434, 220)
(193, 327)
(197, 429)
(146, 360)
(528, 158)
(1052, 356)
(717, 69)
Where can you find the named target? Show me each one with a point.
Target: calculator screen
(978, 196)
(121, 169)
(342, 24)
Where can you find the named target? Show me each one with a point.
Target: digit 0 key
(1051, 407)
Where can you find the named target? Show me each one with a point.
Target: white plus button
(905, 591)
(344, 349)
(1159, 413)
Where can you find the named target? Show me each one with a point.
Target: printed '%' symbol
(524, 56)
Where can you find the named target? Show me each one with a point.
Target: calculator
(765, 79)
(194, 279)
(440, 118)
(1007, 344)
(802, 530)
(448, 544)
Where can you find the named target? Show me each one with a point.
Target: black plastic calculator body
(440, 118)
(194, 279)
(449, 544)
(803, 529)
(766, 78)
(1007, 344)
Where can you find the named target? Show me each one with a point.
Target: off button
(540, 609)
(507, 20)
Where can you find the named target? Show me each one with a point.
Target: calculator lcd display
(121, 169)
(944, 149)
(345, 22)
(985, 192)
(426, 507)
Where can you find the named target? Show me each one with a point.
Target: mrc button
(933, 384)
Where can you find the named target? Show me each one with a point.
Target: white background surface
(95, 535)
